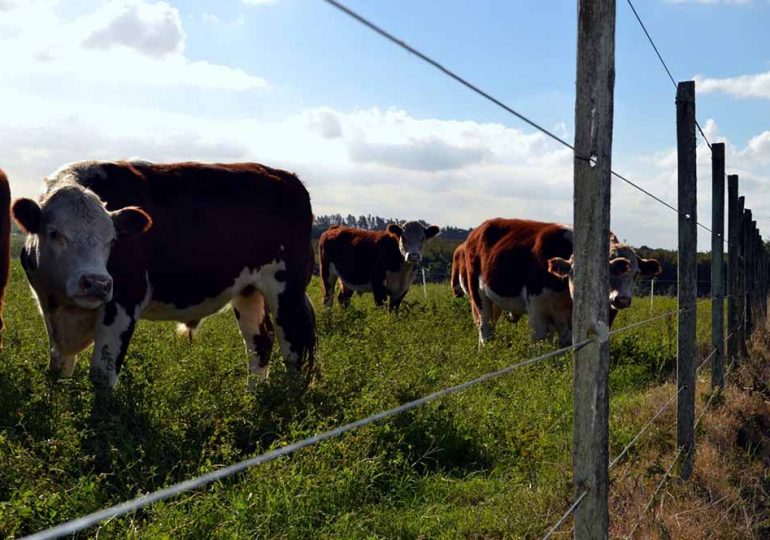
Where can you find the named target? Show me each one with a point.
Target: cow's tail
(308, 362)
(457, 290)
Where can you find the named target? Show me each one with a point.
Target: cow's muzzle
(413, 258)
(621, 302)
(93, 290)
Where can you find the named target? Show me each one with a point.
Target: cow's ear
(620, 266)
(559, 267)
(431, 231)
(27, 214)
(650, 267)
(395, 229)
(130, 221)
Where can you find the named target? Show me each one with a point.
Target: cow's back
(510, 254)
(211, 222)
(355, 252)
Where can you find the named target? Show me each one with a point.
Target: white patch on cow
(251, 315)
(107, 347)
(517, 305)
(262, 278)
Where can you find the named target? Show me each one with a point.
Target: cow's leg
(343, 297)
(379, 290)
(293, 314)
(395, 302)
(59, 364)
(256, 328)
(113, 333)
(328, 281)
(538, 315)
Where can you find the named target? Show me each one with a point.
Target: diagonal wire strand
(565, 515)
(665, 66)
(451, 74)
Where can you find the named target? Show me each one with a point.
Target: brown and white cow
(381, 262)
(621, 283)
(520, 266)
(114, 242)
(5, 242)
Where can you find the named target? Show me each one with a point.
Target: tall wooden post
(740, 291)
(732, 267)
(747, 256)
(595, 85)
(717, 251)
(687, 274)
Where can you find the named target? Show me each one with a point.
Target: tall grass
(492, 461)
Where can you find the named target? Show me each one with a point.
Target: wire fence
(83, 523)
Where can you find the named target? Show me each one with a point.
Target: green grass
(493, 461)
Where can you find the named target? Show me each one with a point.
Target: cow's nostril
(85, 283)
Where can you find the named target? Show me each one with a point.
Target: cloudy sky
(370, 129)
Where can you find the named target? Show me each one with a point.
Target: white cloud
(742, 86)
(130, 44)
(152, 29)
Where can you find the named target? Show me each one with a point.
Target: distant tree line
(378, 223)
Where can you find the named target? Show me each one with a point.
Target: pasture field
(493, 461)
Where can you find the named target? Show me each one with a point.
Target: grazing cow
(383, 262)
(519, 266)
(5, 242)
(112, 242)
(458, 268)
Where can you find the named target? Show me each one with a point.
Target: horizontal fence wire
(446, 71)
(646, 321)
(79, 524)
(565, 515)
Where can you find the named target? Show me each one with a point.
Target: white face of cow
(73, 234)
(411, 238)
(625, 268)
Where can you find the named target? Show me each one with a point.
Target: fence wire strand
(565, 515)
(665, 406)
(665, 66)
(79, 524)
(646, 321)
(451, 74)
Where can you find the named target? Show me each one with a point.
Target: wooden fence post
(717, 251)
(740, 291)
(595, 84)
(747, 256)
(687, 273)
(732, 267)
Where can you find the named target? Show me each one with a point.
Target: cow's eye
(54, 234)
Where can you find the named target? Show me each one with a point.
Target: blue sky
(371, 129)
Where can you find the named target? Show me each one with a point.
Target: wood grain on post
(717, 251)
(595, 85)
(732, 267)
(687, 274)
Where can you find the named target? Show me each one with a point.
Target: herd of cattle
(109, 243)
